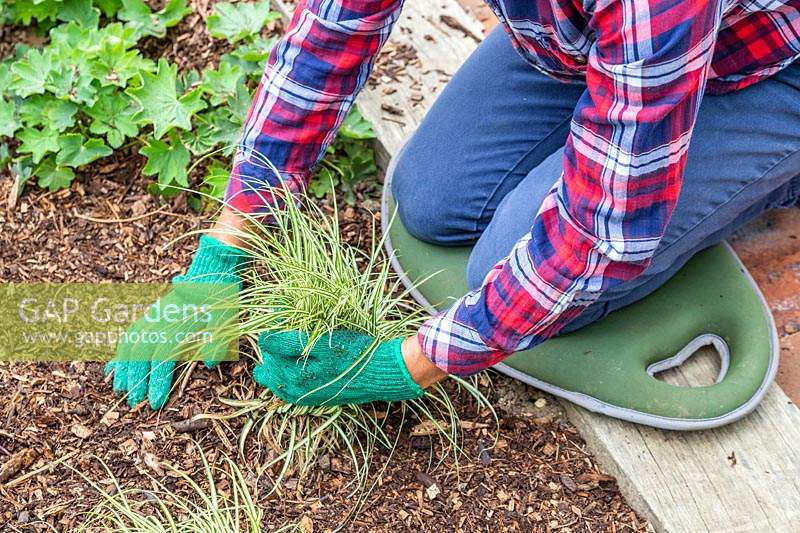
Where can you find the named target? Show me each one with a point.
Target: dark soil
(59, 416)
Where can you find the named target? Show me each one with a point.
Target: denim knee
(425, 205)
(414, 210)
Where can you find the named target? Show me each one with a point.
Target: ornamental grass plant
(302, 275)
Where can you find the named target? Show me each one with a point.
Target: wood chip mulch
(539, 477)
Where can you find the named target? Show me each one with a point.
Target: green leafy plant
(111, 117)
(138, 15)
(168, 161)
(67, 101)
(251, 56)
(159, 103)
(89, 90)
(49, 11)
(216, 180)
(236, 22)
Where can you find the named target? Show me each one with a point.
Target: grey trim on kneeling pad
(593, 404)
(707, 339)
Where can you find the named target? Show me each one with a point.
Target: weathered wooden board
(742, 477)
(682, 482)
(397, 107)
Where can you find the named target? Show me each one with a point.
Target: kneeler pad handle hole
(701, 363)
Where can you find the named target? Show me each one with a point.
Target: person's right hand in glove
(146, 354)
(343, 367)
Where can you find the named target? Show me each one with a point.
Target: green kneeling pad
(609, 366)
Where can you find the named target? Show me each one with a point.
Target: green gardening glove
(322, 377)
(193, 316)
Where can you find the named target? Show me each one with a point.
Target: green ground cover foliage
(90, 90)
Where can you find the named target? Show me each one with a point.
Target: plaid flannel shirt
(646, 64)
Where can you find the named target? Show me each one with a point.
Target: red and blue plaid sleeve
(622, 170)
(311, 79)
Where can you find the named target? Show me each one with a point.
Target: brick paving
(770, 247)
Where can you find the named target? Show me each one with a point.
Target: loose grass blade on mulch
(221, 501)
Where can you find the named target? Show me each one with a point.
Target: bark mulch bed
(539, 476)
(59, 418)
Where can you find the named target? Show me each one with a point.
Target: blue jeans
(479, 166)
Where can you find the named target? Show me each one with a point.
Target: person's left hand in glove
(196, 319)
(333, 372)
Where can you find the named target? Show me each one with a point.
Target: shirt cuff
(454, 347)
(253, 190)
